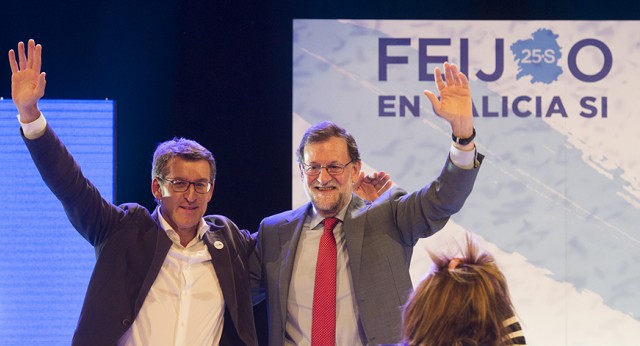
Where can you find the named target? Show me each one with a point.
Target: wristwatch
(464, 141)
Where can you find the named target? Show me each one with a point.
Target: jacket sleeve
(424, 212)
(90, 214)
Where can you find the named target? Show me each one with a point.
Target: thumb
(42, 79)
(433, 98)
(42, 82)
(435, 102)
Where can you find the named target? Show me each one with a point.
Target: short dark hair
(183, 148)
(324, 131)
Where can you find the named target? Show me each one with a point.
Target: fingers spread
(463, 79)
(454, 74)
(438, 77)
(31, 59)
(12, 61)
(37, 58)
(22, 58)
(448, 75)
(31, 51)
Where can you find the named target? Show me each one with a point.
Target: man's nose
(191, 194)
(324, 176)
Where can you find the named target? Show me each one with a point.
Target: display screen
(45, 265)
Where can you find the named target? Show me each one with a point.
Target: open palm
(455, 103)
(27, 82)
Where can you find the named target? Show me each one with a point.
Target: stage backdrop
(556, 111)
(45, 265)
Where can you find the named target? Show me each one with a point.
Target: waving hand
(27, 81)
(455, 104)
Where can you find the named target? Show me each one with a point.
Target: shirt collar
(317, 219)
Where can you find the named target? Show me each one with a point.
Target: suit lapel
(163, 244)
(289, 233)
(221, 261)
(353, 229)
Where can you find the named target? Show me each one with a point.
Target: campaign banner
(557, 197)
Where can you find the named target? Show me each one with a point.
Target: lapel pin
(218, 244)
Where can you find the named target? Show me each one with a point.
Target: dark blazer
(130, 248)
(379, 236)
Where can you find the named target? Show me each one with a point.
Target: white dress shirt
(185, 304)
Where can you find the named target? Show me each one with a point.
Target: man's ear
(210, 193)
(301, 171)
(156, 189)
(356, 170)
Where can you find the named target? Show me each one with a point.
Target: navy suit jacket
(130, 248)
(379, 239)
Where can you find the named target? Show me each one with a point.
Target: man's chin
(326, 208)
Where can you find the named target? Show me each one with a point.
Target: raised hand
(27, 81)
(370, 187)
(455, 104)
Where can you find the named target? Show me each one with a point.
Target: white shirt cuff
(463, 159)
(35, 128)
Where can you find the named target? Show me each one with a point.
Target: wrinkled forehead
(333, 149)
(184, 168)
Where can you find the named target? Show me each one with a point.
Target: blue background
(44, 264)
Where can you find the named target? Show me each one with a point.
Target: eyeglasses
(315, 169)
(179, 185)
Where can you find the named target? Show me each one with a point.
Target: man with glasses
(165, 278)
(336, 270)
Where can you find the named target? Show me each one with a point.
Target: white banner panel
(558, 194)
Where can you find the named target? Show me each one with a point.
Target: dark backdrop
(215, 71)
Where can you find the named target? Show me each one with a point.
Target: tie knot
(330, 223)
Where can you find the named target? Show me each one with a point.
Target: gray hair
(183, 148)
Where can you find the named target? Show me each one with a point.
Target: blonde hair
(462, 305)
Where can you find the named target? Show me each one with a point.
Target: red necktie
(323, 326)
